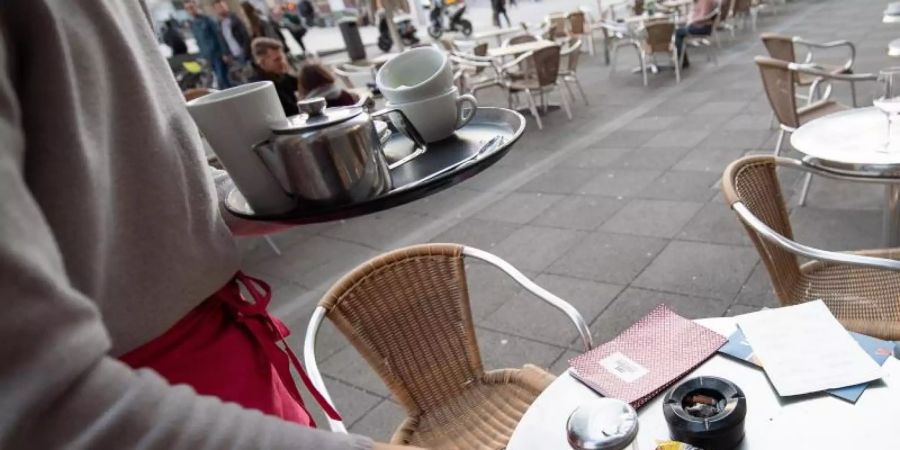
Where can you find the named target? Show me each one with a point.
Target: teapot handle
(273, 162)
(406, 127)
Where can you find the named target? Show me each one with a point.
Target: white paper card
(804, 349)
(623, 367)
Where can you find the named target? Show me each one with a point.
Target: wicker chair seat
(805, 79)
(482, 417)
(819, 109)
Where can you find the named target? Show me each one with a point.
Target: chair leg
(569, 89)
(805, 191)
(643, 59)
(780, 142)
(565, 102)
(543, 102)
(612, 64)
(533, 107)
(580, 89)
(677, 66)
(853, 93)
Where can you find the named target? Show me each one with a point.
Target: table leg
(891, 221)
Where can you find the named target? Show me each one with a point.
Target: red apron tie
(270, 332)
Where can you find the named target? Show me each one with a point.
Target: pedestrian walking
(307, 12)
(499, 7)
(210, 42)
(172, 37)
(233, 30)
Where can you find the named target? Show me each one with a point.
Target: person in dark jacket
(270, 64)
(499, 7)
(307, 11)
(234, 32)
(172, 37)
(209, 40)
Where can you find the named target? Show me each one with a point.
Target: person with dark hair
(307, 11)
(315, 80)
(212, 46)
(259, 24)
(235, 34)
(270, 64)
(295, 27)
(172, 37)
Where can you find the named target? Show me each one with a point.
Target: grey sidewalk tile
(659, 218)
(562, 363)
(825, 193)
(439, 204)
(744, 121)
(353, 403)
(478, 233)
(717, 108)
(626, 138)
(836, 230)
(489, 288)
(650, 122)
(716, 223)
(380, 230)
(700, 269)
(501, 351)
(609, 258)
(349, 366)
(535, 248)
(738, 309)
(660, 158)
(738, 139)
(559, 180)
(518, 207)
(684, 138)
(381, 422)
(682, 185)
(492, 179)
(635, 303)
(619, 182)
(527, 315)
(713, 160)
(594, 157)
(579, 212)
(319, 260)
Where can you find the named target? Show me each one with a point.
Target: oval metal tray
(475, 147)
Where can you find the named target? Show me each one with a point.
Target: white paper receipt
(804, 349)
(623, 367)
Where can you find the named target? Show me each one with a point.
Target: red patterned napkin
(646, 358)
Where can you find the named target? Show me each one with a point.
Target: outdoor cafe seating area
(410, 315)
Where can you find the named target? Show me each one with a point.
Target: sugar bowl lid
(602, 424)
(314, 114)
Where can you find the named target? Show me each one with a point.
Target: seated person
(699, 25)
(317, 81)
(270, 64)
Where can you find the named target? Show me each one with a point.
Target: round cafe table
(851, 145)
(816, 421)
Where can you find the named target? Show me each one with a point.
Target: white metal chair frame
(513, 95)
(568, 73)
(467, 64)
(637, 39)
(711, 41)
(847, 67)
(318, 316)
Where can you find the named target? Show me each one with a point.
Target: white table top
(849, 138)
(894, 48)
(818, 421)
(513, 50)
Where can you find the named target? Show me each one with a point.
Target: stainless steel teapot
(335, 156)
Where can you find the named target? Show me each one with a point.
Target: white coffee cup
(414, 75)
(439, 117)
(233, 120)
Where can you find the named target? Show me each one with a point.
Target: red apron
(233, 349)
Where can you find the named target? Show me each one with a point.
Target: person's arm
(58, 387)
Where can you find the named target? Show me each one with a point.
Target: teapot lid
(314, 114)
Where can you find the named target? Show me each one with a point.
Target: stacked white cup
(419, 82)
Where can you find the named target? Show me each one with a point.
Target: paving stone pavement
(617, 210)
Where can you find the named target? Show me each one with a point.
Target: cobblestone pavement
(616, 211)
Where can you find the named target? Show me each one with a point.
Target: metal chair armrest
(817, 70)
(312, 369)
(516, 62)
(853, 259)
(583, 331)
(848, 65)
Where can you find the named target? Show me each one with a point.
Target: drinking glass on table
(887, 99)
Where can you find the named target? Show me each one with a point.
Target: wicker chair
(741, 10)
(655, 38)
(578, 28)
(862, 289)
(778, 78)
(710, 42)
(568, 70)
(783, 47)
(542, 78)
(407, 312)
(476, 71)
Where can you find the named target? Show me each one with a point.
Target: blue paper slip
(738, 347)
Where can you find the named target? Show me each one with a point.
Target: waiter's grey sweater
(109, 233)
